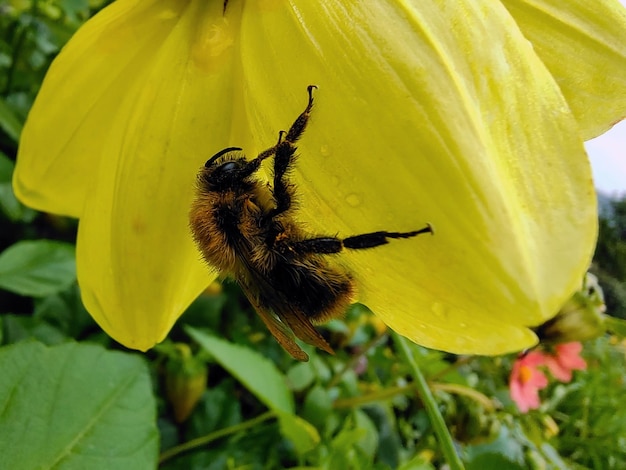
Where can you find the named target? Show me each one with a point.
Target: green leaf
(17, 328)
(9, 121)
(300, 376)
(66, 312)
(616, 326)
(551, 454)
(506, 446)
(254, 371)
(75, 406)
(390, 446)
(75, 9)
(416, 463)
(216, 410)
(37, 268)
(9, 204)
(302, 433)
(6, 168)
(369, 442)
(318, 404)
(493, 462)
(345, 451)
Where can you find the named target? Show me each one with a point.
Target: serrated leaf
(37, 268)
(257, 373)
(302, 433)
(75, 406)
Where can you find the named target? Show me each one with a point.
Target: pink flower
(526, 380)
(565, 359)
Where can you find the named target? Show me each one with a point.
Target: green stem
(445, 439)
(204, 440)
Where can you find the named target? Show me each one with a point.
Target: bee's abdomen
(319, 290)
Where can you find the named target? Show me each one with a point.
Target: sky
(608, 158)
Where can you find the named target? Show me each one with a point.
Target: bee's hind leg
(374, 239)
(331, 245)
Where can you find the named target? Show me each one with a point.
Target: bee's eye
(227, 167)
(215, 157)
(226, 171)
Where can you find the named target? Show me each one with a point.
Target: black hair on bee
(248, 231)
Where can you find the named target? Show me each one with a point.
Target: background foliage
(220, 393)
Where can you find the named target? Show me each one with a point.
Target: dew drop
(353, 200)
(325, 150)
(439, 310)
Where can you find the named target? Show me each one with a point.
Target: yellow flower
(443, 112)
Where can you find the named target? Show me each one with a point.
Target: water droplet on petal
(439, 310)
(353, 200)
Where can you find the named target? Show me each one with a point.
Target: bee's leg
(297, 128)
(330, 245)
(253, 165)
(285, 157)
(371, 240)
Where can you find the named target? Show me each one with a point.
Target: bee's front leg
(285, 157)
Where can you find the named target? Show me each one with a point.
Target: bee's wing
(301, 326)
(289, 318)
(279, 330)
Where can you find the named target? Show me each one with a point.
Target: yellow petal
(583, 44)
(417, 120)
(80, 94)
(134, 105)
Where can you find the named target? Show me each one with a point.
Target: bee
(248, 231)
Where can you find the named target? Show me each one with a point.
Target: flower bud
(185, 381)
(580, 319)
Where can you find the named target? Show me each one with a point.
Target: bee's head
(224, 170)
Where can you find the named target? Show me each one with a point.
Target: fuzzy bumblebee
(248, 231)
